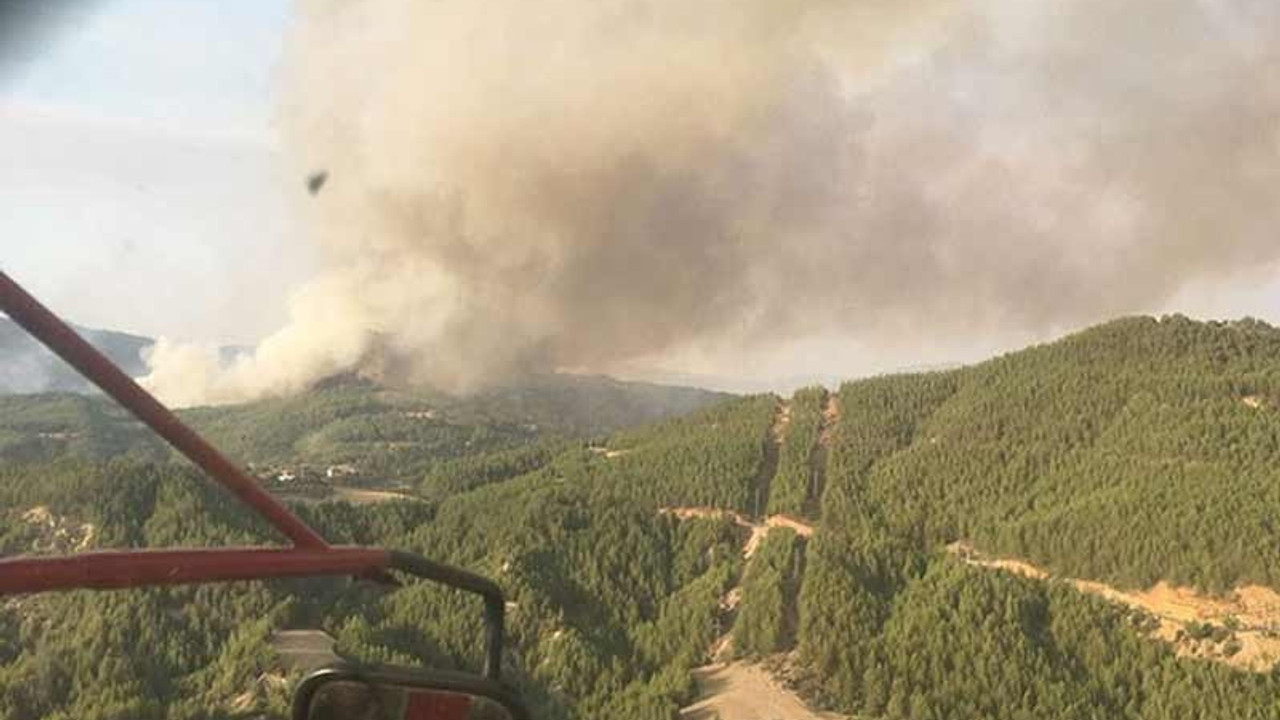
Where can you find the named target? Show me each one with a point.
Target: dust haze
(522, 187)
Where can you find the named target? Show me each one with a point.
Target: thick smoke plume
(521, 186)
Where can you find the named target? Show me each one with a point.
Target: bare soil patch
(758, 531)
(304, 649)
(58, 534)
(802, 529)
(746, 691)
(357, 496)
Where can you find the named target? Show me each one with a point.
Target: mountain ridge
(1137, 452)
(26, 366)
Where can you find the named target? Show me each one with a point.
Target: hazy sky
(144, 189)
(140, 169)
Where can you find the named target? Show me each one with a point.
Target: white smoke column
(528, 186)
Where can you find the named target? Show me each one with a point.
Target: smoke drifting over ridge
(520, 186)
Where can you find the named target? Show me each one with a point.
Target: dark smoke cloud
(577, 184)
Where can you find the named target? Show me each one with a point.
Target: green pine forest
(1137, 451)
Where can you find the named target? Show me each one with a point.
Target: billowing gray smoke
(576, 183)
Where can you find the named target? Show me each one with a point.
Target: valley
(733, 687)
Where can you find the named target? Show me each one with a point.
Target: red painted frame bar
(111, 570)
(46, 327)
(311, 556)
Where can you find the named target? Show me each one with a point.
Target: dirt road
(357, 496)
(1253, 610)
(758, 530)
(746, 691)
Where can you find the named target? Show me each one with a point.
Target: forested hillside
(1137, 451)
(379, 434)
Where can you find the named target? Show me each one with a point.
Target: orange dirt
(758, 534)
(801, 529)
(686, 513)
(758, 530)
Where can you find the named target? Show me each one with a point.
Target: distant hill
(388, 434)
(402, 433)
(27, 367)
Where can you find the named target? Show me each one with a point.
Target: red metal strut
(135, 568)
(46, 327)
(310, 555)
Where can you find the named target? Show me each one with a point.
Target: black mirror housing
(357, 692)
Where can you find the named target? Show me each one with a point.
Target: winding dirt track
(741, 690)
(1255, 609)
(758, 530)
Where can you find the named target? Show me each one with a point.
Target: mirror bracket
(494, 605)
